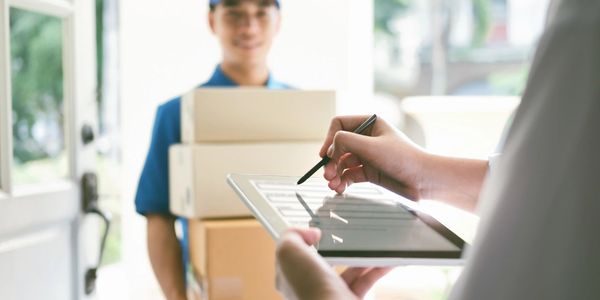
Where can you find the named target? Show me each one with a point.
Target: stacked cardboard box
(198, 187)
(242, 130)
(233, 259)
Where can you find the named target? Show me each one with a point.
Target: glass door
(47, 120)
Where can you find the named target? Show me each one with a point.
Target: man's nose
(249, 23)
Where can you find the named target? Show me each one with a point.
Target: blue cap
(215, 2)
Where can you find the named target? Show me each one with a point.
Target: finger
(329, 171)
(354, 175)
(348, 142)
(347, 161)
(340, 188)
(331, 176)
(334, 184)
(345, 123)
(343, 143)
(310, 235)
(351, 274)
(360, 286)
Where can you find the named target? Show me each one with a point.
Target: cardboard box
(234, 259)
(255, 114)
(197, 173)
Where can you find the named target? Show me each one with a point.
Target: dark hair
(237, 2)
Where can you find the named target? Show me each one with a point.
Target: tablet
(366, 226)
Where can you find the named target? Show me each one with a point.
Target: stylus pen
(306, 207)
(325, 160)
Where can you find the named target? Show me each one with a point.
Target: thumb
(305, 271)
(310, 235)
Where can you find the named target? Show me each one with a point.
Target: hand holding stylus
(358, 130)
(381, 155)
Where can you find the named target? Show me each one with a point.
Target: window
(39, 146)
(463, 47)
(440, 49)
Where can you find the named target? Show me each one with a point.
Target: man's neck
(253, 75)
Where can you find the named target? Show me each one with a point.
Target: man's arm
(165, 256)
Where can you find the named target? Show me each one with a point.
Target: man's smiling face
(245, 29)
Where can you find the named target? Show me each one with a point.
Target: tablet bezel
(276, 225)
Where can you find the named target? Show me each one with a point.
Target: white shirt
(539, 236)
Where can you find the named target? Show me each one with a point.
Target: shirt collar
(219, 78)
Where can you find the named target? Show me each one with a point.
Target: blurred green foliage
(36, 47)
(387, 10)
(99, 48)
(483, 20)
(509, 83)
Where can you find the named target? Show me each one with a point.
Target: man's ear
(211, 21)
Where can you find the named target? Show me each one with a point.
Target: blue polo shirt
(152, 195)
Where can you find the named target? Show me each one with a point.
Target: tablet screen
(366, 220)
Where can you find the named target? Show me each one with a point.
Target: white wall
(166, 48)
(530, 14)
(327, 44)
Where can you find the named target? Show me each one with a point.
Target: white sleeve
(492, 162)
(538, 237)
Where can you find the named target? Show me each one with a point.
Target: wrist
(454, 180)
(425, 179)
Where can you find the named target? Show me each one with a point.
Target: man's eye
(234, 14)
(261, 14)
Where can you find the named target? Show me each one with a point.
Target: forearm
(165, 256)
(456, 181)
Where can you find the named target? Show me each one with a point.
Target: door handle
(87, 134)
(89, 188)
